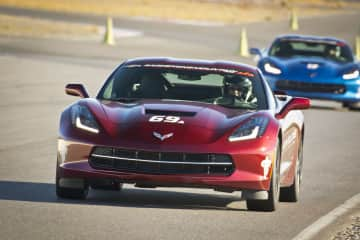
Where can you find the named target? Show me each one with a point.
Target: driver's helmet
(237, 87)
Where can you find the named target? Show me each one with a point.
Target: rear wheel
(273, 193)
(292, 193)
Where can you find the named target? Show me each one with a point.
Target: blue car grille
(152, 162)
(310, 87)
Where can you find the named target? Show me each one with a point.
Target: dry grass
(198, 10)
(30, 27)
(219, 11)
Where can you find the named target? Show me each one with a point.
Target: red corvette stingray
(163, 122)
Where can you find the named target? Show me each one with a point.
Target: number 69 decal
(166, 119)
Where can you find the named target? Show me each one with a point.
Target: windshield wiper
(124, 99)
(239, 106)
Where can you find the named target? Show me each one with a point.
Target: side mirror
(75, 89)
(255, 51)
(296, 103)
(281, 95)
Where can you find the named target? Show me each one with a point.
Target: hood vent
(170, 113)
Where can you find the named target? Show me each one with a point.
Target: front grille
(125, 160)
(310, 87)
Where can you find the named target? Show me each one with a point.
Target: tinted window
(292, 48)
(226, 87)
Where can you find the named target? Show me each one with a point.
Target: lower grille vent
(310, 87)
(148, 162)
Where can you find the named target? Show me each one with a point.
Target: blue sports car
(313, 67)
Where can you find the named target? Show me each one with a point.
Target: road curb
(312, 230)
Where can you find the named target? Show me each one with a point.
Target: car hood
(308, 68)
(145, 121)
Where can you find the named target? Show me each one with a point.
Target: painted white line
(121, 32)
(181, 22)
(197, 23)
(310, 232)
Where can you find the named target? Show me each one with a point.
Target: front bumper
(351, 92)
(247, 173)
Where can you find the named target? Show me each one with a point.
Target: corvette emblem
(162, 137)
(312, 75)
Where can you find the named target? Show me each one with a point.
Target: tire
(345, 104)
(354, 106)
(108, 186)
(271, 203)
(351, 105)
(292, 193)
(73, 193)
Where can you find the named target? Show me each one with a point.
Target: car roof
(219, 64)
(310, 38)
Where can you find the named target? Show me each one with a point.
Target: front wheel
(107, 185)
(351, 105)
(273, 194)
(345, 104)
(74, 193)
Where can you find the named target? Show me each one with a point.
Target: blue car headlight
(270, 68)
(251, 129)
(351, 75)
(82, 118)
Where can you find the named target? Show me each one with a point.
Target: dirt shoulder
(190, 10)
(32, 27)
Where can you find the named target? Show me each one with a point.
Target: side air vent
(169, 113)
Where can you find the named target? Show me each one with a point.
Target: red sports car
(164, 122)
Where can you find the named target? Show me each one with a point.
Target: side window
(108, 90)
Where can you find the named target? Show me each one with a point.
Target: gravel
(351, 232)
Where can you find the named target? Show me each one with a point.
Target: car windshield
(335, 51)
(226, 87)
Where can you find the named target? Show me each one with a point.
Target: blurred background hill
(224, 11)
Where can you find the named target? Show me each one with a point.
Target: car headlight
(82, 118)
(351, 75)
(272, 69)
(253, 128)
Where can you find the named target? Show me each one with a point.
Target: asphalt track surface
(33, 75)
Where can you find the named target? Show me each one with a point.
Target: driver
(237, 91)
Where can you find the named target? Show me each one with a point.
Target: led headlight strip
(251, 129)
(83, 119)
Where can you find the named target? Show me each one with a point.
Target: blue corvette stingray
(313, 67)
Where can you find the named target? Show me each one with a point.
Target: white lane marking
(121, 32)
(324, 221)
(181, 22)
(197, 23)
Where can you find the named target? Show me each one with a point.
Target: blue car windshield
(335, 51)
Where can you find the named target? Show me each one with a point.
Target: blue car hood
(310, 68)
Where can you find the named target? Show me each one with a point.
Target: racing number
(166, 119)
(156, 119)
